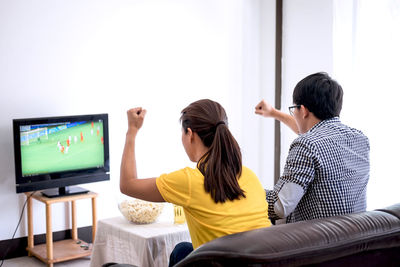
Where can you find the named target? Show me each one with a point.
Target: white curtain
(366, 63)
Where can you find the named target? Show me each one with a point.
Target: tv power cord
(16, 228)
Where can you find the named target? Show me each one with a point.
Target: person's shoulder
(248, 172)
(310, 139)
(246, 169)
(190, 171)
(187, 172)
(322, 130)
(360, 137)
(352, 132)
(357, 131)
(330, 129)
(306, 139)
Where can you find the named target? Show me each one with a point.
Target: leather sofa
(370, 238)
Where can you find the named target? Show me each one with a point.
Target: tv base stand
(64, 191)
(64, 250)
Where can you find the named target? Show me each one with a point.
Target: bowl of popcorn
(140, 211)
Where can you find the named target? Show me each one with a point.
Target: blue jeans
(180, 251)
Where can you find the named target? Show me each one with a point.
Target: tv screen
(56, 152)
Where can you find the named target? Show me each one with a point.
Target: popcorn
(140, 211)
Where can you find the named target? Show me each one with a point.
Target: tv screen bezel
(62, 178)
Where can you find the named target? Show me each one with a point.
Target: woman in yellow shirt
(219, 197)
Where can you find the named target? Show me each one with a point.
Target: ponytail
(222, 164)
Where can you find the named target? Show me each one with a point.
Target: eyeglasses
(291, 108)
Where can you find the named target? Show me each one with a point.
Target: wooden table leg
(94, 218)
(74, 227)
(30, 224)
(49, 235)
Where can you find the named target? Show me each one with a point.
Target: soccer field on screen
(78, 147)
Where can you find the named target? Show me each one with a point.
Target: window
(366, 60)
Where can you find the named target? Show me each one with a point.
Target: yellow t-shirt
(208, 220)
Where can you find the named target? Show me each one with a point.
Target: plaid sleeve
(299, 169)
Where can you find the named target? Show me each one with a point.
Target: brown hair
(222, 164)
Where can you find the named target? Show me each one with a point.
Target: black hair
(320, 94)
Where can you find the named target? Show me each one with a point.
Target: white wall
(79, 57)
(258, 70)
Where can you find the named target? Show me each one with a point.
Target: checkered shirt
(331, 163)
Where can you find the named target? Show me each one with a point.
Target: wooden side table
(63, 250)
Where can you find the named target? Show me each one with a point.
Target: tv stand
(64, 250)
(64, 191)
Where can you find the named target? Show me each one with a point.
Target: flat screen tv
(55, 153)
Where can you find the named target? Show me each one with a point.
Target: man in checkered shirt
(327, 169)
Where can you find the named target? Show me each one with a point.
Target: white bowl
(140, 211)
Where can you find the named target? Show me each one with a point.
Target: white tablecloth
(146, 245)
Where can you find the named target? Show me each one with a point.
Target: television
(53, 154)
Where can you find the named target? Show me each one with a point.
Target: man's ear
(304, 112)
